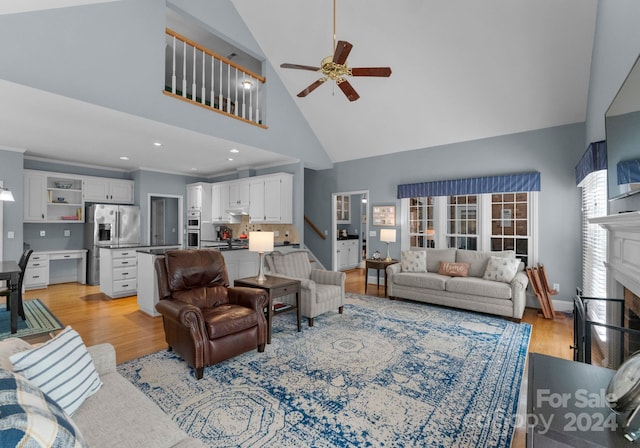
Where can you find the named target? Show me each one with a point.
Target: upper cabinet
(271, 199)
(106, 190)
(239, 194)
(52, 197)
(199, 199)
(220, 203)
(343, 215)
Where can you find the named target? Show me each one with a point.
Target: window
(594, 245)
(462, 222)
(510, 223)
(488, 222)
(421, 222)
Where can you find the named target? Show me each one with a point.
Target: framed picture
(384, 215)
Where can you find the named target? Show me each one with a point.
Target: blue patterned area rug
(384, 373)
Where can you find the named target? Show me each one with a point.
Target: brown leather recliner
(206, 321)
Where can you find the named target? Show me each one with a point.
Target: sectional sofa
(476, 281)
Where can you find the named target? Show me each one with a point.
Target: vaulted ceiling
(462, 70)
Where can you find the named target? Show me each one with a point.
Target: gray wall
(11, 174)
(553, 152)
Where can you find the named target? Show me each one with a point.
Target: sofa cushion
(29, 418)
(501, 269)
(453, 269)
(435, 256)
(479, 287)
(479, 260)
(414, 261)
(425, 280)
(10, 347)
(62, 368)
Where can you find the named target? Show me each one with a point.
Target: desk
(56, 266)
(10, 271)
(275, 287)
(370, 263)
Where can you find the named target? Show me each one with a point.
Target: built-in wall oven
(193, 230)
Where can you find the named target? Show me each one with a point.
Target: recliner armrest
(183, 313)
(253, 298)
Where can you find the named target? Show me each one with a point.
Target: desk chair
(24, 259)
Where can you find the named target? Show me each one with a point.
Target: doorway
(357, 224)
(165, 220)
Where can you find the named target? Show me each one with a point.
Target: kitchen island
(240, 263)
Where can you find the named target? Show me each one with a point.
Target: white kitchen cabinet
(35, 194)
(107, 190)
(118, 272)
(52, 197)
(347, 254)
(343, 209)
(220, 202)
(199, 199)
(37, 273)
(271, 199)
(239, 194)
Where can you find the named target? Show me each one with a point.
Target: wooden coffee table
(275, 287)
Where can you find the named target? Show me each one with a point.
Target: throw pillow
(453, 269)
(501, 269)
(62, 368)
(9, 347)
(28, 417)
(414, 261)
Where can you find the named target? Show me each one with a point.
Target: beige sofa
(470, 293)
(118, 414)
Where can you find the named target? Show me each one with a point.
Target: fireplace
(623, 276)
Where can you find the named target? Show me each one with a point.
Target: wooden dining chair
(24, 260)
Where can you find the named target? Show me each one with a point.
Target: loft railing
(200, 76)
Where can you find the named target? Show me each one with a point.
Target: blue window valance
(509, 183)
(593, 159)
(628, 171)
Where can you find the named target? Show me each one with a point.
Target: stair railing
(200, 76)
(314, 227)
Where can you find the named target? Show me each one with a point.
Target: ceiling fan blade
(312, 87)
(371, 71)
(348, 90)
(343, 48)
(300, 67)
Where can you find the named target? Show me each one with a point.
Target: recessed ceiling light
(246, 84)
(157, 144)
(230, 159)
(234, 150)
(124, 158)
(194, 169)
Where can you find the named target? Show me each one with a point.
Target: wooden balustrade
(200, 76)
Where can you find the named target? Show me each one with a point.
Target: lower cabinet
(37, 274)
(118, 272)
(348, 254)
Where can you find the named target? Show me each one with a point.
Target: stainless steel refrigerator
(109, 225)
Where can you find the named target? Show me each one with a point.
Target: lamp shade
(260, 241)
(430, 233)
(6, 195)
(388, 235)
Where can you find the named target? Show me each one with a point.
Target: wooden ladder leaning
(543, 291)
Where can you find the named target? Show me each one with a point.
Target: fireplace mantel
(623, 252)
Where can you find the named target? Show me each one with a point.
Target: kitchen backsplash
(283, 230)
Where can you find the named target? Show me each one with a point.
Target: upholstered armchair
(321, 290)
(205, 321)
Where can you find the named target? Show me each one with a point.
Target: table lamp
(260, 242)
(430, 234)
(388, 236)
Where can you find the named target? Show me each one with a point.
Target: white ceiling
(462, 70)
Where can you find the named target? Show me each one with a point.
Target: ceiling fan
(335, 67)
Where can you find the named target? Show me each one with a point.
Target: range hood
(238, 211)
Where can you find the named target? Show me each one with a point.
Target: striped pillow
(62, 368)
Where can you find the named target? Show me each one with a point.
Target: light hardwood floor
(133, 333)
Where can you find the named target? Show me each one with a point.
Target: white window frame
(483, 223)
